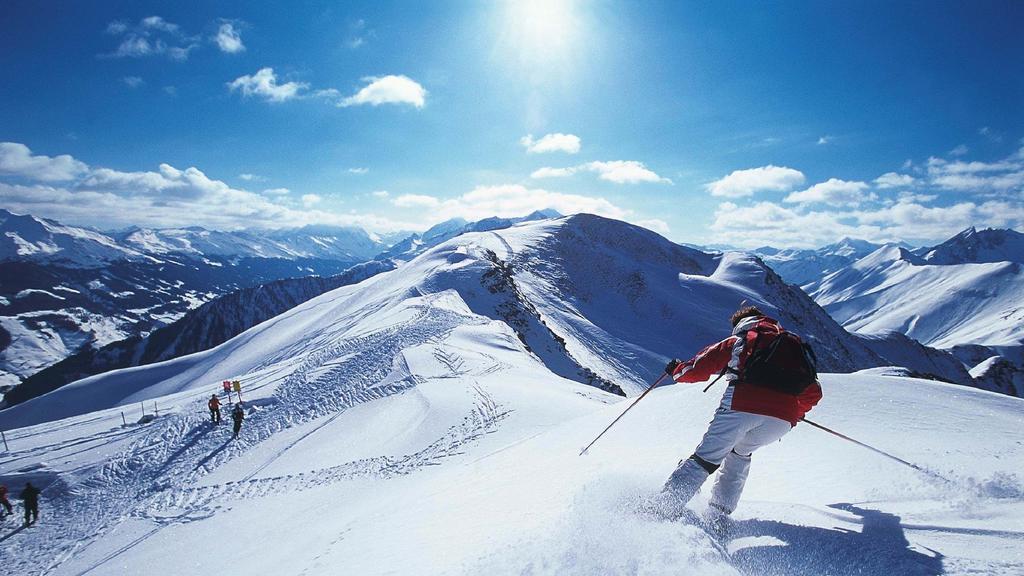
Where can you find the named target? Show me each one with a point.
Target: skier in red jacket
(750, 415)
(4, 502)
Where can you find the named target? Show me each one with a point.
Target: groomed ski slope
(393, 430)
(475, 470)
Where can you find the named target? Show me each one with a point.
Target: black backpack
(780, 361)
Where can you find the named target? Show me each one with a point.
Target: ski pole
(876, 450)
(652, 387)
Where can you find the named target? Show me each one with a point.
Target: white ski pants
(727, 446)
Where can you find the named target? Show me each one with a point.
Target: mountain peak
(974, 246)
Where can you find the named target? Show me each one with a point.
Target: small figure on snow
(4, 502)
(238, 414)
(214, 405)
(772, 384)
(30, 499)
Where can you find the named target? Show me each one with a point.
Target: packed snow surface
(394, 428)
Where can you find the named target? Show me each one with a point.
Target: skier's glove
(670, 368)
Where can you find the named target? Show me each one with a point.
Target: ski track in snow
(177, 450)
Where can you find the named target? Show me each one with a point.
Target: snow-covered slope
(596, 300)
(200, 329)
(416, 244)
(396, 427)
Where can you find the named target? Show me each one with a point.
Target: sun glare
(540, 33)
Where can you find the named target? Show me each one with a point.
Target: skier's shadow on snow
(211, 455)
(191, 439)
(879, 548)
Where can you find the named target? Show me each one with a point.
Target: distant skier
(238, 414)
(4, 502)
(30, 499)
(214, 405)
(772, 383)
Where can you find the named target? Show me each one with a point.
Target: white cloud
(746, 182)
(990, 134)
(833, 191)
(659, 226)
(767, 223)
(166, 197)
(617, 171)
(959, 150)
(278, 192)
(17, 160)
(309, 200)
(894, 180)
(506, 201)
(158, 23)
(416, 201)
(117, 27)
(556, 142)
(359, 33)
(625, 172)
(1003, 176)
(133, 81)
(380, 193)
(264, 83)
(229, 39)
(913, 197)
(389, 89)
(251, 177)
(152, 36)
(170, 91)
(824, 140)
(547, 172)
(358, 170)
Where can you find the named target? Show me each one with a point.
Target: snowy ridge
(424, 428)
(801, 267)
(973, 246)
(28, 237)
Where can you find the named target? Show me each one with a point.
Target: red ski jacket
(740, 396)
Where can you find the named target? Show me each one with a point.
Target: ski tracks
(481, 420)
(156, 472)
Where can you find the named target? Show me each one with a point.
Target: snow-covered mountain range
(800, 266)
(595, 300)
(956, 296)
(64, 289)
(28, 238)
(437, 411)
(964, 296)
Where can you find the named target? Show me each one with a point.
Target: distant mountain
(955, 296)
(200, 329)
(75, 292)
(65, 288)
(593, 300)
(803, 266)
(973, 246)
(27, 238)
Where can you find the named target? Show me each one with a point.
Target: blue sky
(789, 123)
